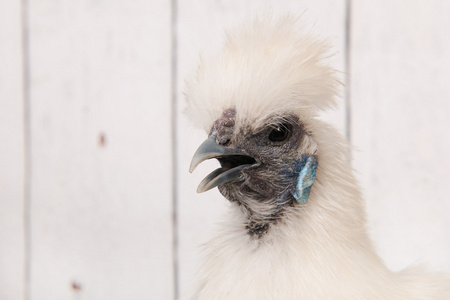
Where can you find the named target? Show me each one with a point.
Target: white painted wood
(400, 108)
(101, 138)
(12, 255)
(200, 29)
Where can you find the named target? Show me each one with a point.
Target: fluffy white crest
(271, 67)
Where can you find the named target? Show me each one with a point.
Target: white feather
(265, 68)
(321, 250)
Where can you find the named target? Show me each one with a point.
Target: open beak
(233, 161)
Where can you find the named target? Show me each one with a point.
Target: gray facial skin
(259, 168)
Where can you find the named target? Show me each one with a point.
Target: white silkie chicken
(297, 227)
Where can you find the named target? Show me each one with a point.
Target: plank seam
(348, 78)
(27, 147)
(174, 121)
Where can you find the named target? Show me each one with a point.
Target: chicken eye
(281, 133)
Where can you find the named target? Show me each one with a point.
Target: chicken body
(296, 225)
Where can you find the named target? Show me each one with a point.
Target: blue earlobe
(306, 177)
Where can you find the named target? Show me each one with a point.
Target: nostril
(224, 141)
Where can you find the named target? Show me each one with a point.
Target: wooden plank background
(400, 92)
(96, 201)
(101, 165)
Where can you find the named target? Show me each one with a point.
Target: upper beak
(233, 162)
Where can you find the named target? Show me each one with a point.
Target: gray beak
(232, 160)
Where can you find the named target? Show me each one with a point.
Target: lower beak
(232, 160)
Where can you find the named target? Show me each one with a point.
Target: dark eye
(281, 133)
